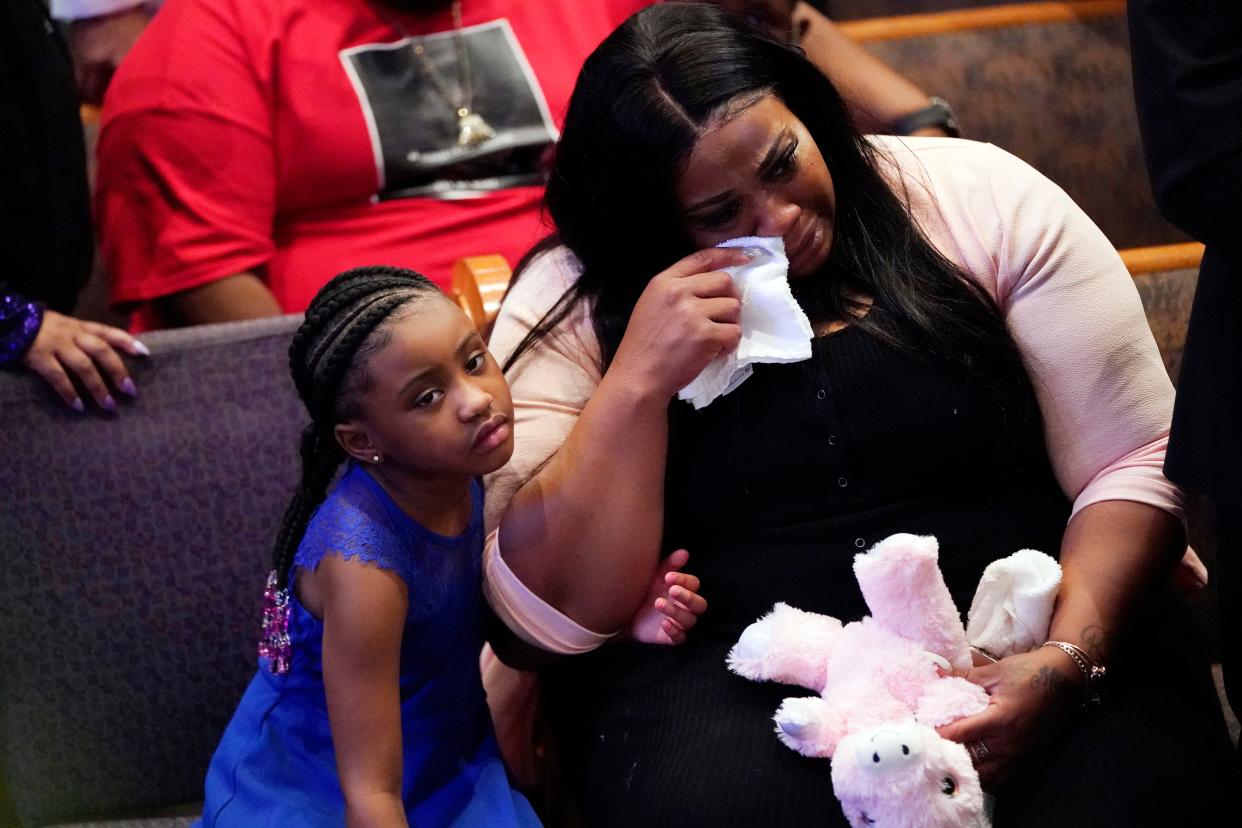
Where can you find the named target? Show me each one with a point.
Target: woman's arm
(1112, 554)
(1106, 403)
(584, 531)
(230, 299)
(361, 667)
(877, 94)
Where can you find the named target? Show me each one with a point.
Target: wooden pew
(863, 9)
(895, 19)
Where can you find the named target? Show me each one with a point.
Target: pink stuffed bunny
(883, 687)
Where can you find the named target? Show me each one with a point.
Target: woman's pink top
(1067, 298)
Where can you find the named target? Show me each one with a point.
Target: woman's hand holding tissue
(687, 316)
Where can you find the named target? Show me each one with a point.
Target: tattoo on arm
(1094, 641)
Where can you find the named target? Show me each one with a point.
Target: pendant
(472, 129)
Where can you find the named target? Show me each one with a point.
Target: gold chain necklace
(472, 130)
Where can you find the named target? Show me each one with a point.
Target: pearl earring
(375, 459)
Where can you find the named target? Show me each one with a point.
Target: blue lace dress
(275, 764)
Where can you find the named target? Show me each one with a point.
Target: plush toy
(883, 684)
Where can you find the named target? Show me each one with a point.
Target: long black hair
(343, 325)
(639, 106)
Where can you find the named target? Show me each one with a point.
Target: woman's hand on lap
(687, 316)
(672, 607)
(1031, 696)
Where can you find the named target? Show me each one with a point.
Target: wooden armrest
(1162, 257)
(479, 283)
(986, 17)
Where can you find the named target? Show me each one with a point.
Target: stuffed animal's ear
(901, 581)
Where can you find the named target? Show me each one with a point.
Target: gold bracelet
(1094, 674)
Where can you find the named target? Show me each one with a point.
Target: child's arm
(672, 606)
(364, 611)
(670, 609)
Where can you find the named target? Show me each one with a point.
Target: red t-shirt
(297, 139)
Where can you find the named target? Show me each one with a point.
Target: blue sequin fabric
(20, 320)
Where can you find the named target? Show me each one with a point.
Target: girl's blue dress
(275, 764)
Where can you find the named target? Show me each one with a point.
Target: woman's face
(758, 172)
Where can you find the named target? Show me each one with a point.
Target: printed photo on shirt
(411, 102)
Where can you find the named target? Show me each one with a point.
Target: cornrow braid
(327, 354)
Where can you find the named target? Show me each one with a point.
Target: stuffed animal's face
(906, 774)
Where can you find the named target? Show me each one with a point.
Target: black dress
(774, 489)
(1188, 93)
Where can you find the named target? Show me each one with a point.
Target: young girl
(368, 707)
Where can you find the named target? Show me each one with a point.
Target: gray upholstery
(134, 551)
(152, 822)
(1059, 96)
(1167, 296)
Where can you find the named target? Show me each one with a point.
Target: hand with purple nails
(70, 353)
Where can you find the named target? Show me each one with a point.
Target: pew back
(135, 549)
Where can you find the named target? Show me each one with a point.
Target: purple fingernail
(77, 405)
(108, 403)
(141, 349)
(128, 388)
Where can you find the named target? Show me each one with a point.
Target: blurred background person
(248, 151)
(47, 235)
(100, 33)
(1187, 58)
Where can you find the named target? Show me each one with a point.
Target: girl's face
(437, 403)
(758, 172)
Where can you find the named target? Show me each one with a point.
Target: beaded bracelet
(1095, 674)
(20, 321)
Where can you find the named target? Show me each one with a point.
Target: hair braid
(321, 457)
(326, 358)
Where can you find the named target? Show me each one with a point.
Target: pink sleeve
(1074, 312)
(551, 383)
(530, 617)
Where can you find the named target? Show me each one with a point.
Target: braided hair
(328, 359)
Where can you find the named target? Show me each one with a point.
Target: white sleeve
(82, 9)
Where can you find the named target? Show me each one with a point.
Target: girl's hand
(687, 316)
(1032, 696)
(67, 348)
(672, 607)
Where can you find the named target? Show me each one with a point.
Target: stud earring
(375, 459)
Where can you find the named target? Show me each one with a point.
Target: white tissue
(774, 328)
(1012, 607)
